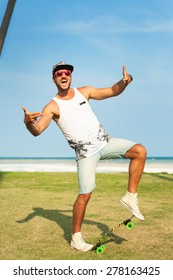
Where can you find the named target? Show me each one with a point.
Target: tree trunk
(6, 22)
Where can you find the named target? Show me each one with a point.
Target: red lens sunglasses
(59, 73)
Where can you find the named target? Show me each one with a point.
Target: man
(71, 111)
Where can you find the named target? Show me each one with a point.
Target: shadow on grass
(1, 176)
(64, 221)
(163, 176)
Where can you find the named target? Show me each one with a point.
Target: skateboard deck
(99, 247)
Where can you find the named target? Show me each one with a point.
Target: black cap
(61, 65)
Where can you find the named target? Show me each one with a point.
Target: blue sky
(98, 38)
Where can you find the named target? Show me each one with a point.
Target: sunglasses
(59, 73)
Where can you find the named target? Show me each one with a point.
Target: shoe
(130, 201)
(78, 243)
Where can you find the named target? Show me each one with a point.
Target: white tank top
(80, 126)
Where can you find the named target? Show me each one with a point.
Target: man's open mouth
(63, 81)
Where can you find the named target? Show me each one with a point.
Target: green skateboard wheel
(130, 225)
(100, 249)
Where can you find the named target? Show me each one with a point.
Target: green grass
(36, 217)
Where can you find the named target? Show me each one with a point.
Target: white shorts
(86, 167)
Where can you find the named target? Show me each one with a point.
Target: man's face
(62, 79)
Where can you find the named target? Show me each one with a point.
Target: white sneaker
(78, 243)
(130, 201)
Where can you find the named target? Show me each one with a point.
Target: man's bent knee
(141, 150)
(137, 150)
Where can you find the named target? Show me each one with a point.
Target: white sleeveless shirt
(80, 126)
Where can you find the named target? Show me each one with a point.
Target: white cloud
(107, 25)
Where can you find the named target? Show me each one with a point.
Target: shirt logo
(83, 102)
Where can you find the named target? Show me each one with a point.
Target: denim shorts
(86, 167)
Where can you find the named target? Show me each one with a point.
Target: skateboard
(99, 247)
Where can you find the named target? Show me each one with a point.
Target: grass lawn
(36, 217)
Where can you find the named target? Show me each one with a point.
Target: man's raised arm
(34, 126)
(116, 89)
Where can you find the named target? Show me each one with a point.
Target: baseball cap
(61, 65)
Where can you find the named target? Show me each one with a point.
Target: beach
(153, 165)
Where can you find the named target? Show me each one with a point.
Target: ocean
(46, 164)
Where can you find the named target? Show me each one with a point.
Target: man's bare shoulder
(51, 107)
(86, 91)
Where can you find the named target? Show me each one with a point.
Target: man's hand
(30, 118)
(127, 78)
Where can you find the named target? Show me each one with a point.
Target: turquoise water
(72, 158)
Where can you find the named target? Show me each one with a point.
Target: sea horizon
(73, 158)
